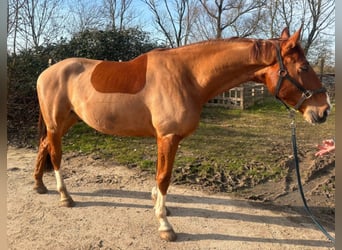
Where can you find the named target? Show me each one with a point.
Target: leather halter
(283, 73)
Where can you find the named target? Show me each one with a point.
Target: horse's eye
(304, 67)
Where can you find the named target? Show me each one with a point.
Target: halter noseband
(282, 73)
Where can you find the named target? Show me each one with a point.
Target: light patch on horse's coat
(59, 180)
(160, 210)
(60, 185)
(120, 77)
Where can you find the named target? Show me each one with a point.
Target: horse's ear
(293, 40)
(285, 34)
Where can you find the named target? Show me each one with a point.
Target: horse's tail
(42, 135)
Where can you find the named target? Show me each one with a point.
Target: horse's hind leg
(51, 146)
(40, 166)
(55, 151)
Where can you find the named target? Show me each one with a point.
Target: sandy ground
(114, 211)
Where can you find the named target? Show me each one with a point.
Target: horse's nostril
(326, 112)
(323, 118)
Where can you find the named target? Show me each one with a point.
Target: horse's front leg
(167, 148)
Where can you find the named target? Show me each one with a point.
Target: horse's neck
(224, 67)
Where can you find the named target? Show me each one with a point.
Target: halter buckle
(307, 94)
(282, 72)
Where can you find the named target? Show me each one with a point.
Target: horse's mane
(264, 48)
(261, 47)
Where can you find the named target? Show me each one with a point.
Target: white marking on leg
(154, 194)
(59, 180)
(160, 211)
(61, 188)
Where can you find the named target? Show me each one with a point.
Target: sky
(143, 17)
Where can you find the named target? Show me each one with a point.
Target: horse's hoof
(69, 202)
(40, 189)
(168, 235)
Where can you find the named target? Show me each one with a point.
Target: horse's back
(65, 69)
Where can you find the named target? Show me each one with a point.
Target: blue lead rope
(300, 187)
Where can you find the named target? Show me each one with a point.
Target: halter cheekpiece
(283, 73)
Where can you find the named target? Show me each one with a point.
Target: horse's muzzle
(319, 117)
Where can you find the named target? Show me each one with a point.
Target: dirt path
(114, 211)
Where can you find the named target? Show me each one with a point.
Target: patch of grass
(269, 104)
(148, 165)
(231, 148)
(131, 151)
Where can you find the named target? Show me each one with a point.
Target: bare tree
(174, 19)
(271, 24)
(13, 21)
(240, 16)
(287, 11)
(85, 15)
(323, 56)
(320, 18)
(119, 13)
(39, 22)
(317, 19)
(316, 16)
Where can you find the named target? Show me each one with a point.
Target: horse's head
(293, 81)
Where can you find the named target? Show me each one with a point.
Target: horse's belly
(119, 119)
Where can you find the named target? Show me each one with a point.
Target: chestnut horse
(161, 94)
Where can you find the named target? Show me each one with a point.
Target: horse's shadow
(194, 211)
(223, 237)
